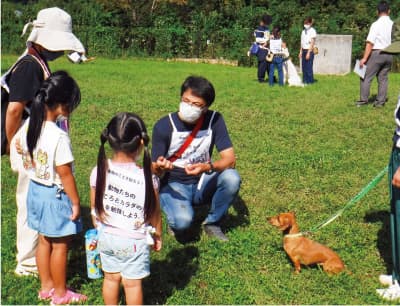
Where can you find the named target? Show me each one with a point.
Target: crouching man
(182, 146)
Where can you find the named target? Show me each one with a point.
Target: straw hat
(53, 30)
(395, 46)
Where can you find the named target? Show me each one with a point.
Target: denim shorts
(49, 211)
(128, 256)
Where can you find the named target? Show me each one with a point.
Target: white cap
(261, 40)
(53, 30)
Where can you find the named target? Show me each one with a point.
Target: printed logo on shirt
(41, 168)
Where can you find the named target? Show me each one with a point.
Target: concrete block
(334, 55)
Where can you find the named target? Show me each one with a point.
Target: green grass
(309, 150)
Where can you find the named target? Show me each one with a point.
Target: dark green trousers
(394, 164)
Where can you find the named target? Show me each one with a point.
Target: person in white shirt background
(306, 54)
(378, 62)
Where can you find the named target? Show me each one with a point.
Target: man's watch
(211, 168)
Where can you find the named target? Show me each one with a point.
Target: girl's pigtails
(36, 120)
(102, 167)
(150, 197)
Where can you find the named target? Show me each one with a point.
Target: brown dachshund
(302, 250)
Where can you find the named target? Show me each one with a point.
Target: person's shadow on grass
(77, 271)
(172, 273)
(230, 221)
(241, 218)
(383, 241)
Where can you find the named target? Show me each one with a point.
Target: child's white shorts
(128, 256)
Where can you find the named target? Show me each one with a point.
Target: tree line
(192, 28)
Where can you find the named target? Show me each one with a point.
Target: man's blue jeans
(177, 199)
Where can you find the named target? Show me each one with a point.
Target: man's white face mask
(190, 113)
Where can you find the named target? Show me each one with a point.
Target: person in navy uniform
(261, 34)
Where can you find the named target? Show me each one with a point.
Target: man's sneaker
(26, 270)
(392, 293)
(361, 103)
(379, 104)
(386, 279)
(214, 231)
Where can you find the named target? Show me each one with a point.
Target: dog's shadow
(383, 242)
(172, 273)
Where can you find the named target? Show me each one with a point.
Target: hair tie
(104, 136)
(42, 95)
(145, 138)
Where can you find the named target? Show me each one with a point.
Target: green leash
(349, 204)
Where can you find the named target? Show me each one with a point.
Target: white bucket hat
(53, 30)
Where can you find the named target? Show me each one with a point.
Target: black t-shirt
(162, 135)
(25, 80)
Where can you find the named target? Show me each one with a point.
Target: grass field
(308, 150)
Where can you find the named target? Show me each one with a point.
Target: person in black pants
(263, 65)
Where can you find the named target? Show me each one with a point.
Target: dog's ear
(292, 213)
(284, 222)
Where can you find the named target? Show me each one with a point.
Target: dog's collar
(296, 235)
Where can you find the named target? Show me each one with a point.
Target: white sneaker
(386, 279)
(392, 293)
(26, 270)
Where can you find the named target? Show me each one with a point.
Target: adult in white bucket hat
(53, 31)
(50, 37)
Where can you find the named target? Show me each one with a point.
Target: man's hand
(367, 52)
(162, 164)
(196, 169)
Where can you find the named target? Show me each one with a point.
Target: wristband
(212, 169)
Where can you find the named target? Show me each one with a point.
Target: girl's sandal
(45, 295)
(69, 297)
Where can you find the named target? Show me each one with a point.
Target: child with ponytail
(125, 208)
(53, 202)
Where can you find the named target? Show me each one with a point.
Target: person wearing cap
(261, 34)
(378, 63)
(393, 280)
(50, 37)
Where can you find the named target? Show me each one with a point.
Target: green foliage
(308, 149)
(193, 28)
